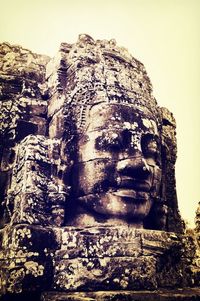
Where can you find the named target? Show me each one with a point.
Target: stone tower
(88, 193)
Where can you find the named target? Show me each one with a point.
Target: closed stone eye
(149, 144)
(110, 141)
(150, 148)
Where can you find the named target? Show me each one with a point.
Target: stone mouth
(128, 183)
(131, 194)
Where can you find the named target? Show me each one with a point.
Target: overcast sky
(163, 34)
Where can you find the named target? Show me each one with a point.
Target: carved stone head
(105, 150)
(117, 173)
(112, 136)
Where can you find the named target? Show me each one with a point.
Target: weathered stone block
(158, 295)
(96, 256)
(105, 273)
(100, 242)
(56, 103)
(56, 126)
(29, 238)
(26, 258)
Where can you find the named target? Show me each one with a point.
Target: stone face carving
(88, 195)
(117, 174)
(94, 74)
(82, 78)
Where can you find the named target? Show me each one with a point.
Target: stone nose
(135, 167)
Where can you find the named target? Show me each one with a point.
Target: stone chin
(127, 205)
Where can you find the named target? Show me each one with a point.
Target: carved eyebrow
(103, 128)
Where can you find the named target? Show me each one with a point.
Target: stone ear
(168, 156)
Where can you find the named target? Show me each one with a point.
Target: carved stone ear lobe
(169, 155)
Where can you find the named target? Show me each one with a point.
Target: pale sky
(163, 34)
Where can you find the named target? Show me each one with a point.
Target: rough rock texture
(197, 221)
(54, 99)
(160, 295)
(23, 105)
(196, 234)
(106, 258)
(63, 234)
(121, 258)
(91, 72)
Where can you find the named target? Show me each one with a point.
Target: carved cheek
(95, 176)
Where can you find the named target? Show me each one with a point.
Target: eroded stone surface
(197, 221)
(106, 258)
(25, 258)
(87, 178)
(77, 79)
(160, 295)
(121, 258)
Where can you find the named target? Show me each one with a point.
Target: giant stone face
(103, 144)
(117, 174)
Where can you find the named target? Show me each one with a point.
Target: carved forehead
(104, 116)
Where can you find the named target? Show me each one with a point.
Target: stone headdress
(92, 72)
